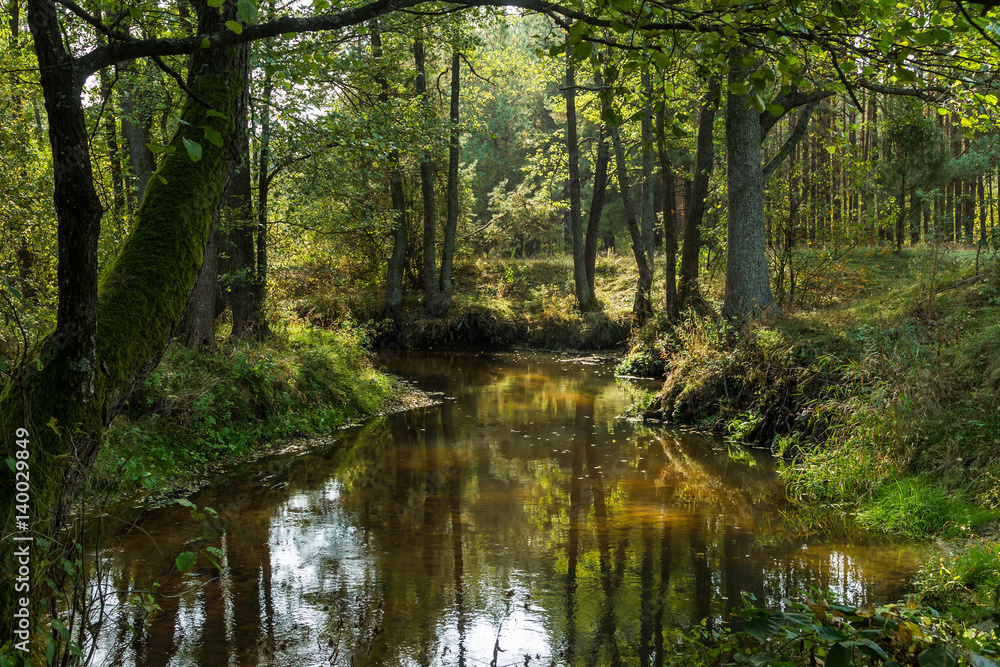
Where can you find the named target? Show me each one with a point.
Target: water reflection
(517, 523)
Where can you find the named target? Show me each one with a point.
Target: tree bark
(748, 286)
(642, 306)
(704, 163)
(239, 223)
(196, 330)
(583, 295)
(397, 260)
(137, 123)
(648, 159)
(670, 305)
(432, 292)
(599, 194)
(451, 228)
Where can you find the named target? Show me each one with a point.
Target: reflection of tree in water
(445, 527)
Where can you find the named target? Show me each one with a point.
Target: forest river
(518, 522)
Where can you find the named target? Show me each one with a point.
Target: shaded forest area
(789, 211)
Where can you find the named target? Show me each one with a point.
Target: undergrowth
(886, 407)
(198, 408)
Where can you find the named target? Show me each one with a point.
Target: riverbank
(498, 304)
(199, 414)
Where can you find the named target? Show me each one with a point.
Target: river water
(519, 522)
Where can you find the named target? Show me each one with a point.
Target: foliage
(196, 409)
(803, 632)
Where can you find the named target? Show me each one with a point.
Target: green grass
(197, 409)
(918, 506)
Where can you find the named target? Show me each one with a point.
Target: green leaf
(213, 137)
(289, 35)
(214, 3)
(50, 651)
(234, 26)
(212, 113)
(247, 11)
(776, 110)
(764, 626)
(185, 561)
(943, 112)
(193, 149)
(738, 88)
(205, 43)
(838, 656)
(11, 464)
(184, 502)
(612, 118)
(59, 627)
(937, 656)
(829, 634)
(868, 646)
(977, 660)
(68, 567)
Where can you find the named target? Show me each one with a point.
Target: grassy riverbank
(887, 403)
(197, 413)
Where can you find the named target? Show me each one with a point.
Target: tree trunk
(748, 286)
(670, 305)
(137, 122)
(238, 221)
(397, 260)
(451, 228)
(263, 190)
(648, 159)
(107, 339)
(432, 292)
(704, 163)
(196, 330)
(111, 138)
(599, 193)
(575, 213)
(642, 306)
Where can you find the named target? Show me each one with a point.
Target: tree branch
(800, 129)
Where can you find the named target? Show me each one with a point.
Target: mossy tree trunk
(108, 336)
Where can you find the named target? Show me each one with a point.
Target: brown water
(517, 523)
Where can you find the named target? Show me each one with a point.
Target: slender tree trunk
(599, 193)
(704, 163)
(670, 306)
(432, 292)
(748, 286)
(238, 221)
(263, 189)
(111, 138)
(648, 160)
(642, 306)
(137, 122)
(451, 229)
(397, 260)
(575, 206)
